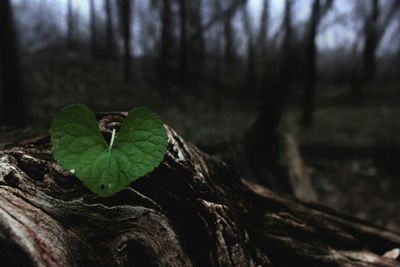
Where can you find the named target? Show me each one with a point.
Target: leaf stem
(112, 138)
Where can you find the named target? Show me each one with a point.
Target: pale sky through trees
(338, 29)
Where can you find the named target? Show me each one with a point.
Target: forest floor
(352, 151)
(354, 154)
(358, 188)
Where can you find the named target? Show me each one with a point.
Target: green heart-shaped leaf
(79, 147)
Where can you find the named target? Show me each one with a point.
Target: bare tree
(317, 14)
(125, 21)
(262, 142)
(309, 90)
(250, 48)
(70, 26)
(166, 37)
(371, 41)
(263, 32)
(198, 43)
(368, 68)
(217, 42)
(109, 29)
(228, 37)
(231, 10)
(93, 44)
(183, 36)
(374, 28)
(287, 41)
(12, 96)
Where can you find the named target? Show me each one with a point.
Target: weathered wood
(193, 210)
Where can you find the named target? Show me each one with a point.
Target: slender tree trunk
(199, 44)
(263, 33)
(93, 44)
(262, 143)
(110, 45)
(228, 37)
(309, 90)
(286, 52)
(371, 42)
(70, 26)
(125, 15)
(183, 38)
(370, 46)
(251, 75)
(218, 56)
(166, 38)
(12, 95)
(231, 9)
(250, 50)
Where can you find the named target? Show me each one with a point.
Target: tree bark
(12, 97)
(193, 210)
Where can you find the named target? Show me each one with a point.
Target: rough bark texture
(193, 210)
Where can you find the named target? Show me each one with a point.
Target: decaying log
(193, 210)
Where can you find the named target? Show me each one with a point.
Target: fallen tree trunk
(193, 210)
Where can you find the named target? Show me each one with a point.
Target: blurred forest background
(265, 80)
